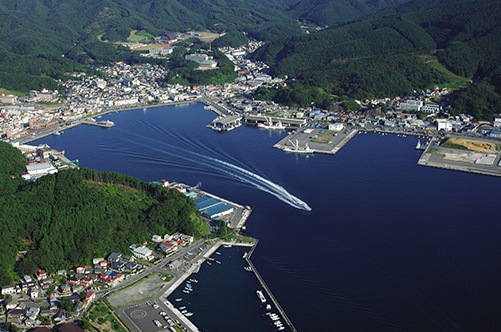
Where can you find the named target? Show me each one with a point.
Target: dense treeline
(234, 39)
(186, 72)
(72, 216)
(17, 161)
(379, 56)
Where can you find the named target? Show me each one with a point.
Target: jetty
(267, 289)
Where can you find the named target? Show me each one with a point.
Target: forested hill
(387, 55)
(332, 12)
(70, 217)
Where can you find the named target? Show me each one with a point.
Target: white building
(497, 121)
(40, 169)
(430, 108)
(8, 290)
(412, 105)
(443, 124)
(336, 126)
(143, 253)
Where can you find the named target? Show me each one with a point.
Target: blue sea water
(388, 246)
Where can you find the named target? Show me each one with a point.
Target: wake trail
(228, 169)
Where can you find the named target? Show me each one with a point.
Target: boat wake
(224, 168)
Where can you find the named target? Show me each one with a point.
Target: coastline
(50, 131)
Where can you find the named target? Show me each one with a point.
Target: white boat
(57, 133)
(296, 149)
(179, 300)
(188, 314)
(261, 296)
(245, 255)
(270, 125)
(185, 291)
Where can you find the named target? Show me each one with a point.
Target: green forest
(384, 55)
(187, 72)
(72, 216)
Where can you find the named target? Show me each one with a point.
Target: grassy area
(324, 137)
(102, 319)
(12, 92)
(136, 36)
(200, 226)
(446, 144)
(453, 81)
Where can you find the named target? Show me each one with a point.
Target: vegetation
(324, 137)
(387, 55)
(446, 144)
(186, 72)
(72, 216)
(234, 39)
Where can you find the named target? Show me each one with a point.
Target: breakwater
(267, 289)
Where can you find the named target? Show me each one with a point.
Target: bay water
(388, 245)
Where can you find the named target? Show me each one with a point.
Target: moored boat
(261, 296)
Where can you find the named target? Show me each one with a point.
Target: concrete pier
(434, 157)
(268, 291)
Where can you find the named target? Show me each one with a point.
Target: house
(114, 257)
(167, 246)
(99, 263)
(186, 238)
(59, 316)
(73, 280)
(16, 313)
(80, 269)
(8, 290)
(27, 278)
(34, 293)
(120, 266)
(61, 272)
(27, 285)
(89, 297)
(11, 303)
(104, 277)
(132, 267)
(42, 329)
(70, 327)
(156, 238)
(65, 289)
(40, 274)
(497, 121)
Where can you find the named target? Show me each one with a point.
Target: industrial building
(212, 207)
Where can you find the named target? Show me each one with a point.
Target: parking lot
(143, 315)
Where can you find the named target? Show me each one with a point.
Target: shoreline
(33, 136)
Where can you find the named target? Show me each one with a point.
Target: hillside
(70, 217)
(42, 40)
(380, 56)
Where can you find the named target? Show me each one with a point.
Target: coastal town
(65, 296)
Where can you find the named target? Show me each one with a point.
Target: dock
(267, 289)
(461, 160)
(304, 137)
